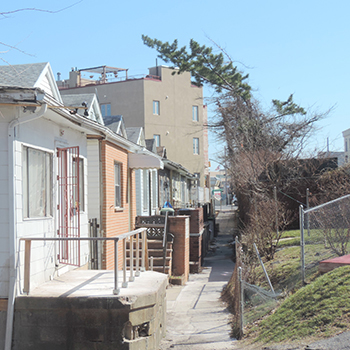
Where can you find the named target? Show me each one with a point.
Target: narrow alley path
(196, 318)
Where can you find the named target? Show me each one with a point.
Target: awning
(144, 161)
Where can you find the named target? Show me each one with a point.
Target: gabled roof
(116, 124)
(77, 100)
(30, 75)
(136, 135)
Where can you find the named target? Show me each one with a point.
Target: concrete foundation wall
(108, 322)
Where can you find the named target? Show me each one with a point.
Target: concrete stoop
(134, 320)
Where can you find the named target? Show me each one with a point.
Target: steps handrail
(124, 236)
(165, 240)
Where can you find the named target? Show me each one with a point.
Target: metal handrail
(123, 237)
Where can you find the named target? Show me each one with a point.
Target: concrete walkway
(196, 318)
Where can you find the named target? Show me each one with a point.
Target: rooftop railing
(133, 236)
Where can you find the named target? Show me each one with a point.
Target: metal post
(137, 273)
(151, 258)
(116, 289)
(143, 263)
(307, 214)
(27, 253)
(125, 283)
(302, 243)
(241, 302)
(131, 277)
(263, 267)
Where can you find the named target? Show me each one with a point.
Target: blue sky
(299, 47)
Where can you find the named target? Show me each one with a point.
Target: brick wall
(179, 227)
(196, 218)
(115, 221)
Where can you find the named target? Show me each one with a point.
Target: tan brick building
(166, 105)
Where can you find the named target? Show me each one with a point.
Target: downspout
(13, 221)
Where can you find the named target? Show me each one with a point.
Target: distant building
(167, 105)
(346, 135)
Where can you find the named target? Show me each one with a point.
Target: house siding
(115, 221)
(45, 135)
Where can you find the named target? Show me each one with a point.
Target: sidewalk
(196, 318)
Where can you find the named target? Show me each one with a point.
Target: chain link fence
(250, 302)
(325, 233)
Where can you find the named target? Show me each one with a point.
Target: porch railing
(132, 235)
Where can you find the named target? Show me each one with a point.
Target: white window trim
(195, 116)
(120, 185)
(195, 146)
(156, 111)
(26, 216)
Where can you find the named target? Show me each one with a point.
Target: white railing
(133, 235)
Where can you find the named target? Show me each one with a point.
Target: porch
(79, 310)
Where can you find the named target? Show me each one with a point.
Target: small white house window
(195, 145)
(195, 117)
(157, 140)
(106, 110)
(156, 109)
(37, 183)
(117, 185)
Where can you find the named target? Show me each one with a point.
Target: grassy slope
(322, 308)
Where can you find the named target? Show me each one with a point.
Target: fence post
(263, 267)
(307, 215)
(241, 301)
(302, 243)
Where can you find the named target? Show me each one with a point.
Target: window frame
(105, 109)
(117, 185)
(156, 107)
(195, 113)
(156, 137)
(196, 145)
(28, 188)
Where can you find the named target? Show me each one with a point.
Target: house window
(198, 178)
(157, 140)
(106, 110)
(195, 145)
(117, 185)
(37, 183)
(346, 145)
(156, 108)
(81, 181)
(195, 117)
